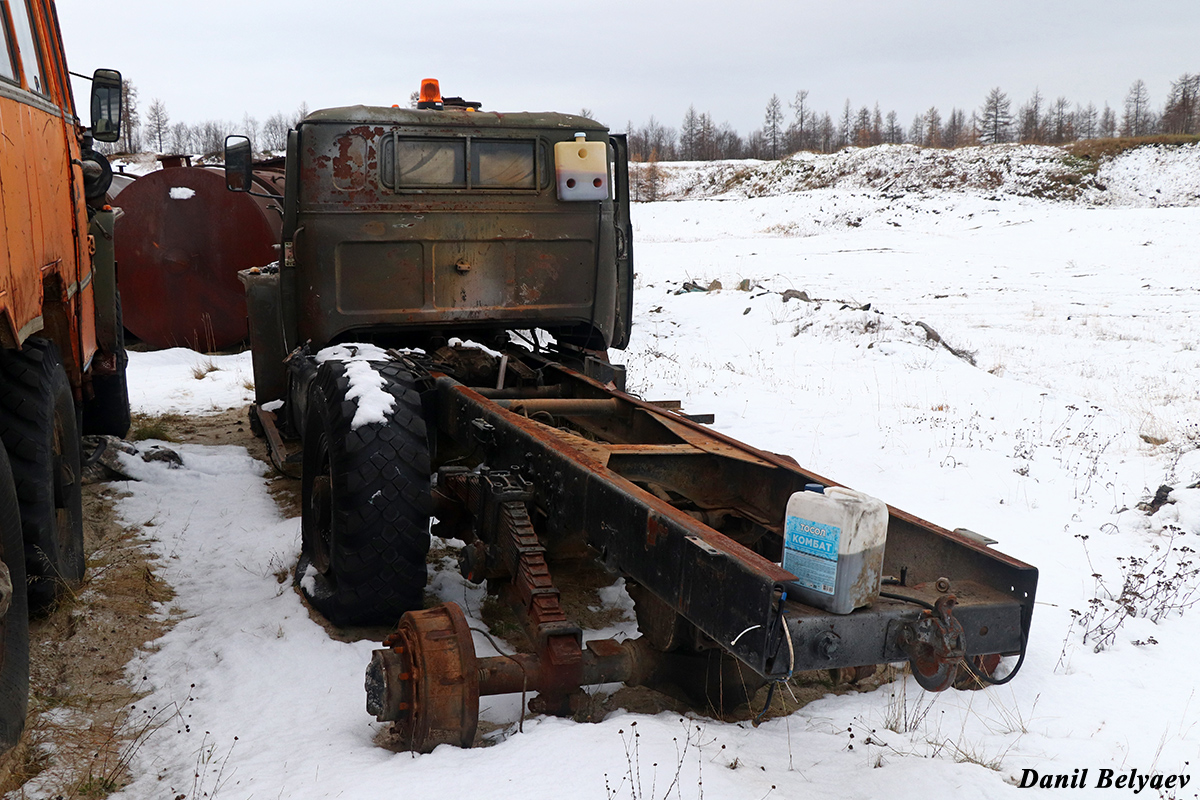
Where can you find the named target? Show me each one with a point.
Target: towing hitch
(935, 645)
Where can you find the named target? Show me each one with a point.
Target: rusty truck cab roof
(453, 118)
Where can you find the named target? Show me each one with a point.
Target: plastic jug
(581, 168)
(833, 544)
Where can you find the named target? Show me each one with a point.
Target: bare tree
(300, 113)
(845, 125)
(1182, 111)
(954, 132)
(1062, 125)
(181, 138)
(933, 127)
(1136, 121)
(996, 120)
(1108, 123)
(689, 134)
(773, 125)
(158, 122)
(727, 143)
(1030, 119)
(861, 135)
(275, 132)
(916, 131)
(1085, 121)
(973, 128)
(893, 133)
(651, 141)
(706, 137)
(211, 136)
(130, 117)
(799, 131)
(250, 128)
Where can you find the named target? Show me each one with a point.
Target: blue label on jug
(810, 552)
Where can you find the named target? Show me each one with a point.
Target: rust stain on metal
(180, 243)
(655, 527)
(688, 525)
(431, 678)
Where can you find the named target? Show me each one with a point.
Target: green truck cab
(406, 227)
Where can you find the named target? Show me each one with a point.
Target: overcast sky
(626, 60)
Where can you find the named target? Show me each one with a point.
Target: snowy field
(1082, 400)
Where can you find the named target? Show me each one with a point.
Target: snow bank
(182, 381)
(1155, 175)
(1151, 177)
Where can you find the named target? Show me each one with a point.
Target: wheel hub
(427, 682)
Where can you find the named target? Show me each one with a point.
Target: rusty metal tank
(180, 242)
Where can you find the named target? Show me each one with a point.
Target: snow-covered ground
(1082, 400)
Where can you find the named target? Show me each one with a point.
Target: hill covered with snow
(1146, 176)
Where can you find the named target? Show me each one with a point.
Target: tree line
(155, 131)
(1039, 120)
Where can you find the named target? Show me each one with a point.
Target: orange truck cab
(62, 360)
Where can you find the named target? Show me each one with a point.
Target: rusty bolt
(463, 265)
(943, 585)
(827, 644)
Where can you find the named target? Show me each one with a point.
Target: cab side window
(7, 69)
(27, 45)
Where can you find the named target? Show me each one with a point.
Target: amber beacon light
(431, 94)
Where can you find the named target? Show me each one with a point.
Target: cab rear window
(507, 164)
(409, 163)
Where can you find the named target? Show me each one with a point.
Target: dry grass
(82, 729)
(160, 427)
(1096, 149)
(204, 368)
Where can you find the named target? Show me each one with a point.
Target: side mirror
(238, 163)
(106, 105)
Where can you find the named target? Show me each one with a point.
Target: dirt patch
(82, 729)
(84, 724)
(227, 427)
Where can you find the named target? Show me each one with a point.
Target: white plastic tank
(581, 169)
(833, 544)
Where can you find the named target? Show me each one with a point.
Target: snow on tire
(365, 494)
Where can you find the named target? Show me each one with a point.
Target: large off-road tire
(366, 503)
(39, 428)
(14, 621)
(107, 413)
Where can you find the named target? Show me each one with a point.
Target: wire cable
(914, 600)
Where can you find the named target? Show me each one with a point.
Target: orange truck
(62, 359)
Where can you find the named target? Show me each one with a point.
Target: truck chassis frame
(538, 464)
